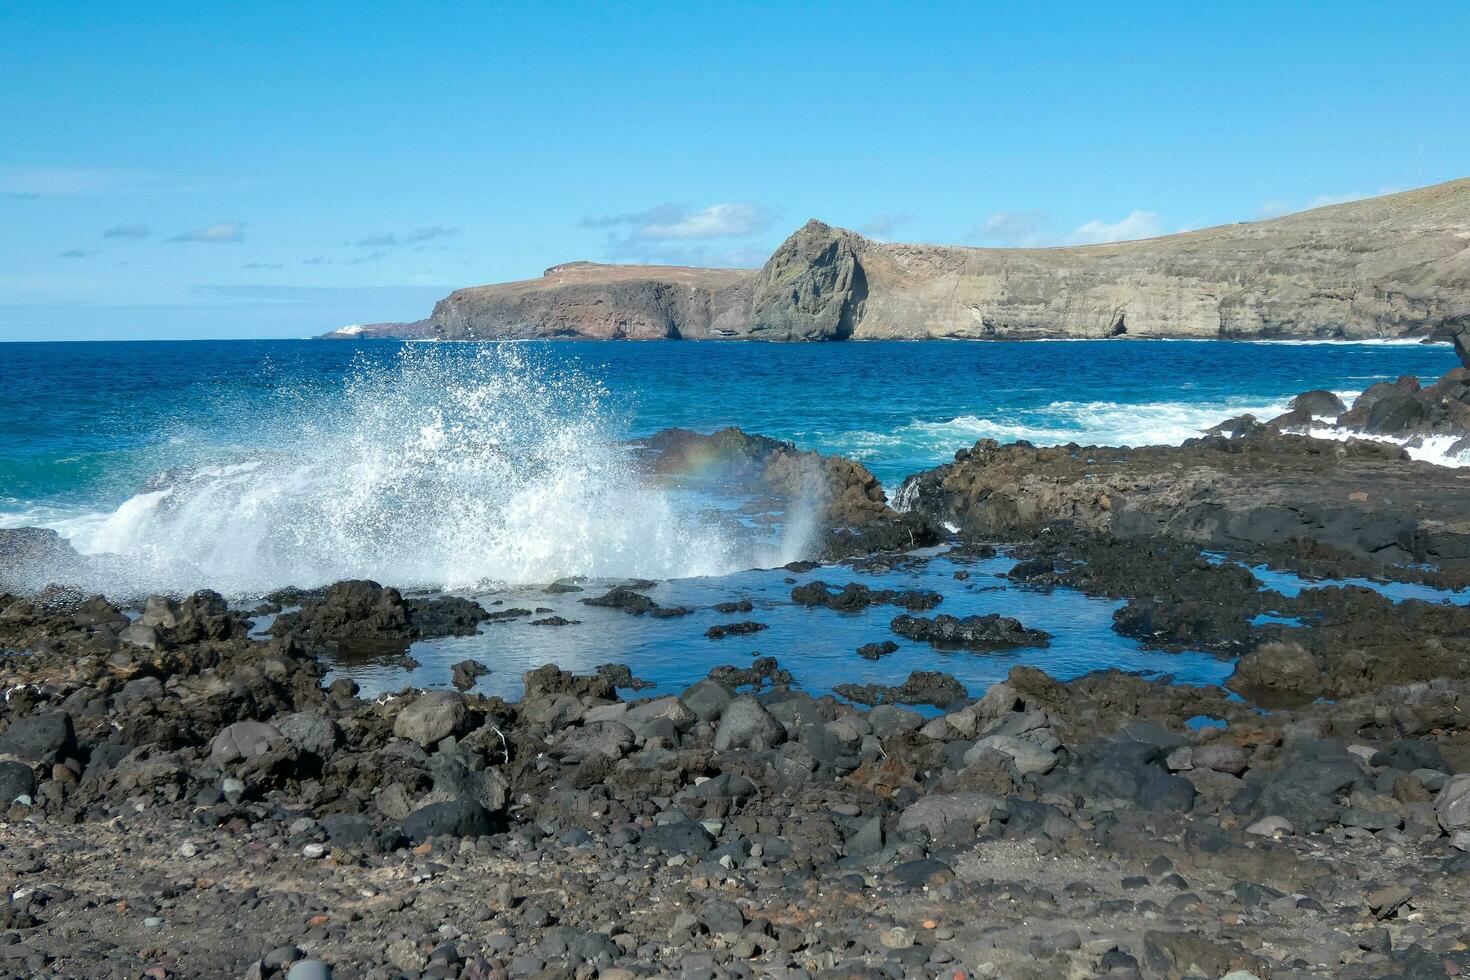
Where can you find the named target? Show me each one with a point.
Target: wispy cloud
(66, 181)
(391, 239)
(265, 265)
(1276, 207)
(676, 234)
(431, 232)
(1022, 229)
(128, 231)
(77, 253)
(220, 231)
(675, 222)
(370, 257)
(882, 225)
(1138, 224)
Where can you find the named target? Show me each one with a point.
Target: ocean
(491, 469)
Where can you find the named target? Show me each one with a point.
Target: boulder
(460, 817)
(245, 740)
(39, 740)
(746, 724)
(1028, 757)
(707, 699)
(311, 732)
(16, 779)
(1452, 807)
(936, 815)
(1276, 670)
(432, 717)
(1318, 404)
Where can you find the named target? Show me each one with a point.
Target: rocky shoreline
(186, 795)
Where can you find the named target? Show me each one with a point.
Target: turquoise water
(490, 469)
(88, 425)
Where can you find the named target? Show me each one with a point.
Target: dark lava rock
(464, 674)
(361, 611)
(16, 779)
(462, 817)
(989, 632)
(733, 629)
(922, 687)
(854, 597)
(635, 603)
(727, 608)
(1319, 403)
(40, 740)
(873, 651)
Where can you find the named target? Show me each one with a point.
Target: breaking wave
(1105, 423)
(433, 470)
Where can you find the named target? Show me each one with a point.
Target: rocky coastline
(1396, 266)
(186, 794)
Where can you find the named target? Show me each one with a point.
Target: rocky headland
(1391, 266)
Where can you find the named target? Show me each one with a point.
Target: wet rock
(876, 651)
(719, 632)
(855, 597)
(635, 603)
(989, 632)
(466, 673)
(1274, 671)
(922, 687)
(1319, 403)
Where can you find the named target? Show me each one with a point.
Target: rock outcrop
(1391, 266)
(1259, 489)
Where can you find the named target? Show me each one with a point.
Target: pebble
(899, 937)
(314, 851)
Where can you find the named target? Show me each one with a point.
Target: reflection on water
(817, 645)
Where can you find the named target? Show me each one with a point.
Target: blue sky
(274, 169)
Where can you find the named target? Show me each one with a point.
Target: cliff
(1391, 266)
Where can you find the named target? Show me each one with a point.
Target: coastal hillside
(1390, 266)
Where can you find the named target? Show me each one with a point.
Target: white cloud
(1138, 224)
(220, 231)
(1024, 229)
(675, 222)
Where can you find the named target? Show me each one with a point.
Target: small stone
(1271, 826)
(314, 851)
(899, 937)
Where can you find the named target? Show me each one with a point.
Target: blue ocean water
(491, 469)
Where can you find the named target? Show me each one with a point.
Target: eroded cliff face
(1391, 266)
(600, 302)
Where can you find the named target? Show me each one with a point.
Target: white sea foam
(1428, 449)
(437, 470)
(1098, 423)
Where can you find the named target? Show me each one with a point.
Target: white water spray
(439, 470)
